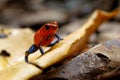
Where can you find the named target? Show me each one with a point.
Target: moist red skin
(43, 37)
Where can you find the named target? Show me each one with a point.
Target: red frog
(43, 37)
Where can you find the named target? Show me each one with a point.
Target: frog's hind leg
(31, 50)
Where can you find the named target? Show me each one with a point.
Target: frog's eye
(47, 27)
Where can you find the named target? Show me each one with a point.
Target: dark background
(34, 13)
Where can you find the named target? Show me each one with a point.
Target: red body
(45, 35)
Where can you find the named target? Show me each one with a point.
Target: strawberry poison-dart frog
(43, 37)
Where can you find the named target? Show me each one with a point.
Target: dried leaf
(110, 49)
(19, 71)
(88, 65)
(16, 46)
(74, 42)
(70, 45)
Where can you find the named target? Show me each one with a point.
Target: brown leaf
(69, 46)
(90, 64)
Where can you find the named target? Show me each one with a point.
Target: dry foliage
(69, 46)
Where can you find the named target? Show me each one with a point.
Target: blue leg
(55, 41)
(58, 37)
(41, 50)
(31, 50)
(26, 57)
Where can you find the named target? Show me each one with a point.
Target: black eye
(47, 27)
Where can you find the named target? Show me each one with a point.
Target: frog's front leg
(41, 50)
(58, 39)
